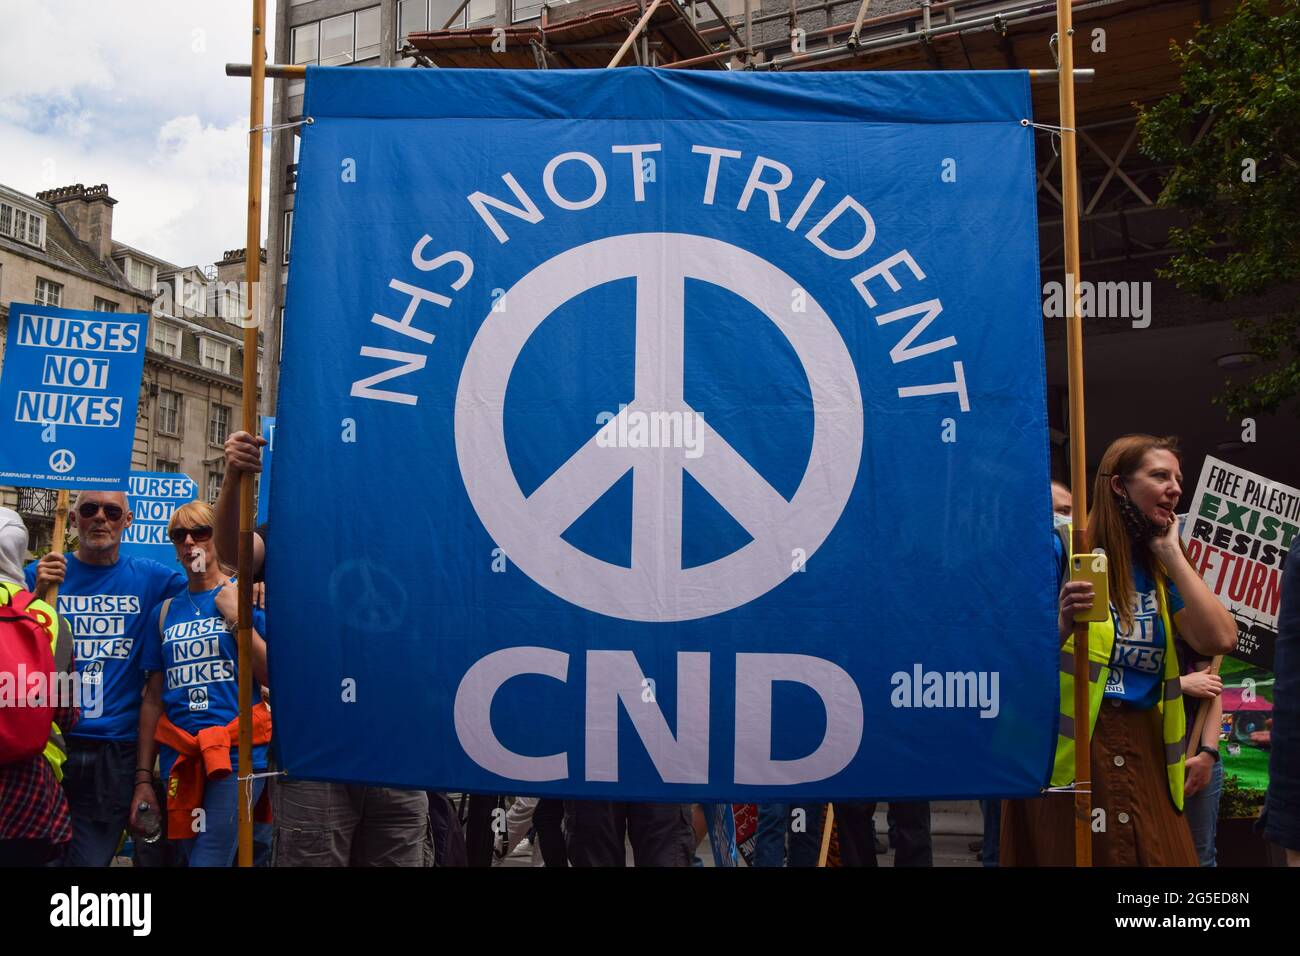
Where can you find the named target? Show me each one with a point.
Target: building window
(521, 10)
(47, 292)
(367, 34)
(214, 486)
(218, 425)
(227, 301)
(338, 41)
(163, 464)
(166, 339)
(288, 234)
(232, 305)
(22, 225)
(416, 16)
(214, 355)
(412, 17)
(105, 305)
(139, 274)
(193, 296)
(306, 43)
(169, 412)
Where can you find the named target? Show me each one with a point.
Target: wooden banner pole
(1078, 458)
(247, 514)
(826, 835)
(50, 595)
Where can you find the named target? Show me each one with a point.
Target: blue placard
(665, 435)
(268, 452)
(68, 397)
(153, 497)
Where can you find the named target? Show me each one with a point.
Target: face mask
(1058, 520)
(1140, 528)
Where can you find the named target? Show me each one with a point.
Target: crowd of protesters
(149, 748)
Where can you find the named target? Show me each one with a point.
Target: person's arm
(243, 454)
(1203, 622)
(258, 650)
(146, 748)
(1200, 766)
(66, 710)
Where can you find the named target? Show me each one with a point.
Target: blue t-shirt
(199, 658)
(107, 609)
(1137, 662)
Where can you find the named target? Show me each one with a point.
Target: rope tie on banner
(256, 776)
(1054, 130)
(1071, 788)
(269, 127)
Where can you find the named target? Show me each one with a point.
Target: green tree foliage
(1239, 184)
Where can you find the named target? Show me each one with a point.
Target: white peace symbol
(62, 460)
(656, 587)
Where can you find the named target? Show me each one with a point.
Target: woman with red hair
(1136, 716)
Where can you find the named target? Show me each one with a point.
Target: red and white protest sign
(1238, 531)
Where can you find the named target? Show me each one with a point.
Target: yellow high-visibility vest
(1101, 644)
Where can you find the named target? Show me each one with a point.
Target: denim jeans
(1202, 812)
(97, 781)
(218, 841)
(775, 822)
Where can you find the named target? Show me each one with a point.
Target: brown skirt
(1142, 828)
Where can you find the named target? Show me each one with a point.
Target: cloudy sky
(132, 93)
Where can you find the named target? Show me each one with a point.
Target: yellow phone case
(1092, 567)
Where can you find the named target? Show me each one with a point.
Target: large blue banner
(68, 397)
(661, 435)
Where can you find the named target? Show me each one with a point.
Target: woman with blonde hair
(1136, 715)
(191, 700)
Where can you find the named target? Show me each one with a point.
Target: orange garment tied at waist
(202, 757)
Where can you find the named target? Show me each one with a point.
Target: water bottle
(150, 822)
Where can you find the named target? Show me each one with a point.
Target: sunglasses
(199, 534)
(89, 509)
